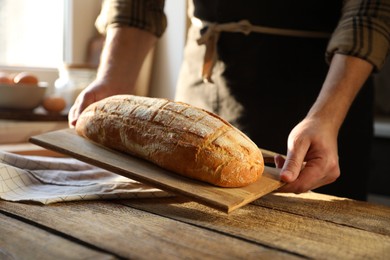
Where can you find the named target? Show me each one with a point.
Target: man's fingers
(82, 102)
(292, 165)
(306, 181)
(279, 161)
(310, 178)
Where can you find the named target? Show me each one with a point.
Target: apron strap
(213, 30)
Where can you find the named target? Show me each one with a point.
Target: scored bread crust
(176, 136)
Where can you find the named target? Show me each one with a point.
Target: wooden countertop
(277, 226)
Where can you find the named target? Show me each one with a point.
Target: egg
(25, 78)
(53, 104)
(5, 78)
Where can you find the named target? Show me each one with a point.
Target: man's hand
(124, 51)
(96, 91)
(312, 158)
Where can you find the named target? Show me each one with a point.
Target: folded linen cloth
(50, 179)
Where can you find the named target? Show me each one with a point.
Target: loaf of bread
(176, 136)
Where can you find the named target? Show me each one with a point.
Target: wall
(169, 51)
(81, 30)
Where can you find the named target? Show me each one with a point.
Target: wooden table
(277, 226)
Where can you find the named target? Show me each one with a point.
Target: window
(40, 35)
(30, 34)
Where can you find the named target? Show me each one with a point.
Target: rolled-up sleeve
(143, 14)
(363, 31)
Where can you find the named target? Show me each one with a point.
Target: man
(260, 65)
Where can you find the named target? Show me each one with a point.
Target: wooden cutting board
(67, 142)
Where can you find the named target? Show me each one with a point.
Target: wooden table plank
(358, 214)
(307, 236)
(131, 233)
(19, 240)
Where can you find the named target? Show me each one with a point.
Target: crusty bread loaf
(176, 136)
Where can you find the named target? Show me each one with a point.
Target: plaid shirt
(363, 30)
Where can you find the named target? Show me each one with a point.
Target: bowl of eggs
(21, 91)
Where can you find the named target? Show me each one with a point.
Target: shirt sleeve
(143, 14)
(363, 31)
